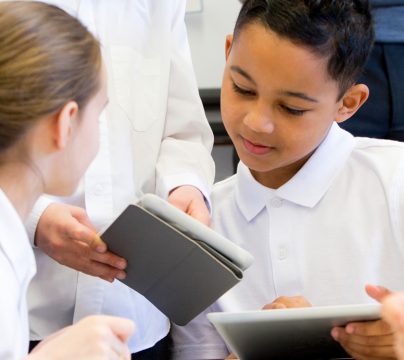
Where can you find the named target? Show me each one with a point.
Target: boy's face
(278, 103)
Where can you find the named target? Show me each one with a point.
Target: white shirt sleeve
(36, 213)
(198, 340)
(187, 142)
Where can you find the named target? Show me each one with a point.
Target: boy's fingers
(369, 328)
(392, 310)
(358, 355)
(383, 340)
(274, 306)
(202, 215)
(377, 292)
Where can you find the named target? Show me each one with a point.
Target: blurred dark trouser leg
(160, 351)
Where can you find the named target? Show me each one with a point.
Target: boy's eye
(242, 91)
(291, 111)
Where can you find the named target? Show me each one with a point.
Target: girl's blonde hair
(47, 58)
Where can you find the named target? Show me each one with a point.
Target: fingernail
(121, 265)
(121, 276)
(334, 334)
(101, 248)
(350, 329)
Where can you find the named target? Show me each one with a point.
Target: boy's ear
(229, 43)
(64, 122)
(352, 100)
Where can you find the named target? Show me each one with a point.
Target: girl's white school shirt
(17, 267)
(337, 225)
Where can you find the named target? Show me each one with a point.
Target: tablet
(196, 230)
(298, 333)
(179, 265)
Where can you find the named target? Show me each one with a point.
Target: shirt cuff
(170, 182)
(33, 218)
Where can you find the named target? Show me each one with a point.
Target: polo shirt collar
(309, 184)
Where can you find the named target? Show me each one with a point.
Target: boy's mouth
(256, 149)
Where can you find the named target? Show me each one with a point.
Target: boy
(320, 210)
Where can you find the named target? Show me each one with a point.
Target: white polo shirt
(17, 267)
(334, 227)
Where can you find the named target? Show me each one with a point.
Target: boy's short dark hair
(340, 30)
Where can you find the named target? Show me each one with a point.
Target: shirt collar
(310, 183)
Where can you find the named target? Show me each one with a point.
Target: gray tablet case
(177, 274)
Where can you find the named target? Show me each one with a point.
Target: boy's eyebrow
(284, 93)
(298, 95)
(242, 73)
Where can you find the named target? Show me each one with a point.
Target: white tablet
(298, 333)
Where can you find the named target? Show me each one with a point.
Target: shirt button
(283, 253)
(98, 189)
(276, 203)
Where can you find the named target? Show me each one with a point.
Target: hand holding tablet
(296, 333)
(177, 263)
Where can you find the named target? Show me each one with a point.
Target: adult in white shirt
(154, 138)
(52, 91)
(320, 210)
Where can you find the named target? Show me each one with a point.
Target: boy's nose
(259, 120)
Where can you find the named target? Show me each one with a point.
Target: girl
(52, 91)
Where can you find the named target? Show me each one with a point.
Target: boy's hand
(393, 313)
(285, 302)
(369, 339)
(190, 200)
(65, 233)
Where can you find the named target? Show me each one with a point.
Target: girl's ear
(64, 122)
(352, 100)
(228, 45)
